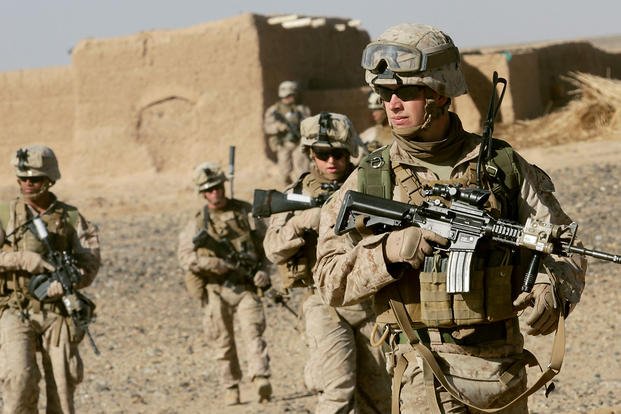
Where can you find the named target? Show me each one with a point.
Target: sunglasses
(212, 189)
(405, 93)
(336, 154)
(33, 180)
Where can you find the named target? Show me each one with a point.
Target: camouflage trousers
(477, 378)
(220, 308)
(343, 367)
(57, 340)
(290, 161)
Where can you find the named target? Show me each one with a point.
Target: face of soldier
(379, 116)
(405, 108)
(215, 196)
(288, 100)
(331, 163)
(33, 188)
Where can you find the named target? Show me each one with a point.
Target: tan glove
(306, 220)
(214, 265)
(411, 245)
(261, 279)
(30, 262)
(544, 316)
(55, 289)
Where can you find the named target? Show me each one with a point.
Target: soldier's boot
(231, 395)
(263, 387)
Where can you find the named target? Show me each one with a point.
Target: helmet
(287, 88)
(208, 175)
(36, 161)
(375, 101)
(415, 54)
(329, 130)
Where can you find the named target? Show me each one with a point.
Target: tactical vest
(493, 279)
(298, 270)
(61, 221)
(232, 224)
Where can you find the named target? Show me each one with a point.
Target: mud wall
(159, 102)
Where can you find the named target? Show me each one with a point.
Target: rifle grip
(531, 274)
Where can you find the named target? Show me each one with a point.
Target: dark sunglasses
(33, 180)
(405, 93)
(336, 154)
(212, 189)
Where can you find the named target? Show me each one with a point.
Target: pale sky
(39, 33)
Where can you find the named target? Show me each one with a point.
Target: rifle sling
(403, 320)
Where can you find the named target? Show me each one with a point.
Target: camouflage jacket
(351, 268)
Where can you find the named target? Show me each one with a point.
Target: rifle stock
(268, 202)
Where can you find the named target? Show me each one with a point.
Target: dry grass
(594, 113)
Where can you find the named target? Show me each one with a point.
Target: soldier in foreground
(29, 325)
(478, 357)
(343, 367)
(379, 134)
(281, 125)
(222, 256)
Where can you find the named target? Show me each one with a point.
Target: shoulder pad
(543, 181)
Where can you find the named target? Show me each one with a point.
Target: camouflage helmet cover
(415, 54)
(287, 88)
(339, 132)
(36, 161)
(208, 175)
(375, 101)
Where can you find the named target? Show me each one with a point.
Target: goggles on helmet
(402, 58)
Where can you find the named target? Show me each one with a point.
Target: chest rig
(492, 279)
(61, 221)
(230, 224)
(298, 270)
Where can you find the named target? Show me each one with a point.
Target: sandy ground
(154, 358)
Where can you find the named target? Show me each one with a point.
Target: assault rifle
(247, 264)
(293, 134)
(268, 202)
(464, 223)
(79, 307)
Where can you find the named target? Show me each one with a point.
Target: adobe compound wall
(160, 102)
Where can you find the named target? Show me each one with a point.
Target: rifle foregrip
(531, 274)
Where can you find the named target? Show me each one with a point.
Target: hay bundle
(594, 113)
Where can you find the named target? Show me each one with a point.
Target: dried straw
(592, 114)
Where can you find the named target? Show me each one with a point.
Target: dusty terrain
(153, 355)
(154, 358)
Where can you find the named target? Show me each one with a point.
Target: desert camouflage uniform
(342, 366)
(291, 162)
(352, 268)
(28, 326)
(225, 291)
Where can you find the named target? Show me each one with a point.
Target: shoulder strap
(505, 175)
(375, 174)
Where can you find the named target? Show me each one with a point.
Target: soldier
(379, 134)
(342, 364)
(225, 281)
(28, 325)
(478, 356)
(282, 127)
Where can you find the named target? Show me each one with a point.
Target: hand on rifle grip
(411, 245)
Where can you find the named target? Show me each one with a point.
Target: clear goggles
(402, 58)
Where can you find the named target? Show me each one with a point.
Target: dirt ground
(153, 355)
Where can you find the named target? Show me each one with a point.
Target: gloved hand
(55, 289)
(306, 220)
(261, 279)
(544, 316)
(411, 245)
(214, 265)
(30, 262)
